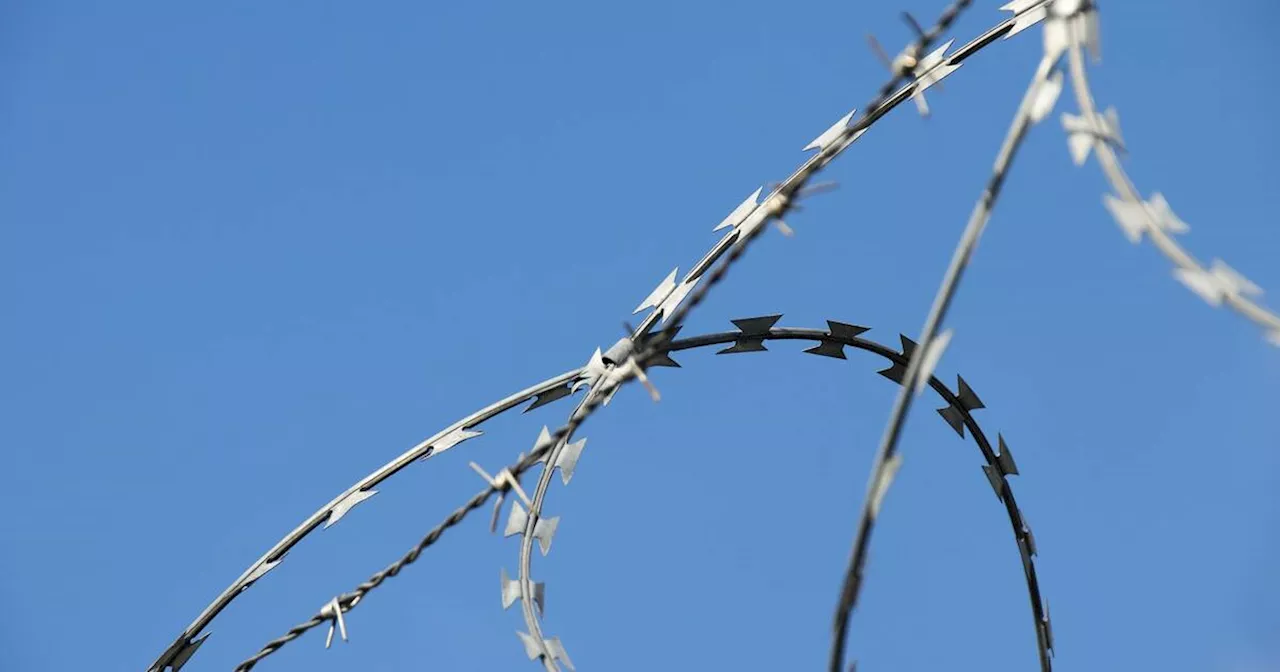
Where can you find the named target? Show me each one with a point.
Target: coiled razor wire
(750, 336)
(746, 222)
(1070, 23)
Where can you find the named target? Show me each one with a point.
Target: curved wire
(1217, 284)
(958, 413)
(749, 219)
(747, 222)
(1040, 95)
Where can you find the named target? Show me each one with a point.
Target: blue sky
(251, 251)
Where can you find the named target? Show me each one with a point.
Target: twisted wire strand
(1218, 284)
(830, 344)
(347, 601)
(929, 349)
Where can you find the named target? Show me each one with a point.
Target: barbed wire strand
(928, 350)
(833, 336)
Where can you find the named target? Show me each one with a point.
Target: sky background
(251, 251)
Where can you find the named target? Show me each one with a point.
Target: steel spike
(261, 570)
(532, 647)
(753, 330)
(675, 298)
(663, 337)
(663, 359)
(516, 520)
(452, 439)
(828, 348)
(843, 330)
(744, 345)
(503, 482)
(740, 213)
(184, 654)
(497, 511)
(660, 293)
(556, 649)
(333, 612)
(908, 346)
(539, 596)
(544, 530)
(544, 398)
(756, 326)
(966, 396)
(896, 372)
(1217, 283)
(931, 70)
(543, 440)
(567, 461)
(833, 133)
(510, 590)
(591, 372)
(1005, 458)
(1084, 130)
(1137, 218)
(1047, 93)
(1026, 13)
(341, 508)
(954, 417)
(1236, 283)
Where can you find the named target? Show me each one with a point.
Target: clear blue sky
(251, 251)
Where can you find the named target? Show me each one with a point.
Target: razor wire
(750, 336)
(1069, 24)
(926, 71)
(1040, 97)
(1219, 284)
(746, 222)
(603, 375)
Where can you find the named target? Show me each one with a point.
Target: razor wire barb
(957, 412)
